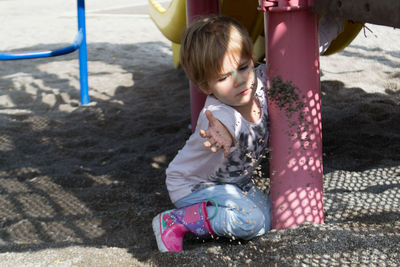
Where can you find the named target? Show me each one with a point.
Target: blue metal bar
(83, 70)
(79, 43)
(49, 53)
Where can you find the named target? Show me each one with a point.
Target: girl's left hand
(217, 134)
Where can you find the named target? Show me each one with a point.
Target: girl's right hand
(217, 134)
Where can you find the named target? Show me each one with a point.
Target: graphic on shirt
(242, 162)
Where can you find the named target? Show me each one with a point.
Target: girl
(213, 192)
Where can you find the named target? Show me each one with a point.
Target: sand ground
(79, 185)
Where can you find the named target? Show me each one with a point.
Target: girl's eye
(223, 78)
(244, 67)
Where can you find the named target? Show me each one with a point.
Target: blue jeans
(240, 214)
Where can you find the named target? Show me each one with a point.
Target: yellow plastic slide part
(350, 31)
(175, 54)
(259, 48)
(171, 21)
(246, 13)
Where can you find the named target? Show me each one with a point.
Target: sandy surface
(80, 185)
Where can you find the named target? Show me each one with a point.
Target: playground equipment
(383, 12)
(296, 139)
(291, 52)
(78, 43)
(172, 23)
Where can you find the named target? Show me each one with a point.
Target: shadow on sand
(94, 175)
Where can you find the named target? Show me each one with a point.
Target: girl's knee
(248, 224)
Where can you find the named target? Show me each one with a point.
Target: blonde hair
(206, 42)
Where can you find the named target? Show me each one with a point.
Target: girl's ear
(205, 89)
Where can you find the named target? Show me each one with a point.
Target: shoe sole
(157, 233)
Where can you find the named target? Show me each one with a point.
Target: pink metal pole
(296, 140)
(194, 9)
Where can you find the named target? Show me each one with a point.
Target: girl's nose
(237, 78)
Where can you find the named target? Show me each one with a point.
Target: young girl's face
(236, 84)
